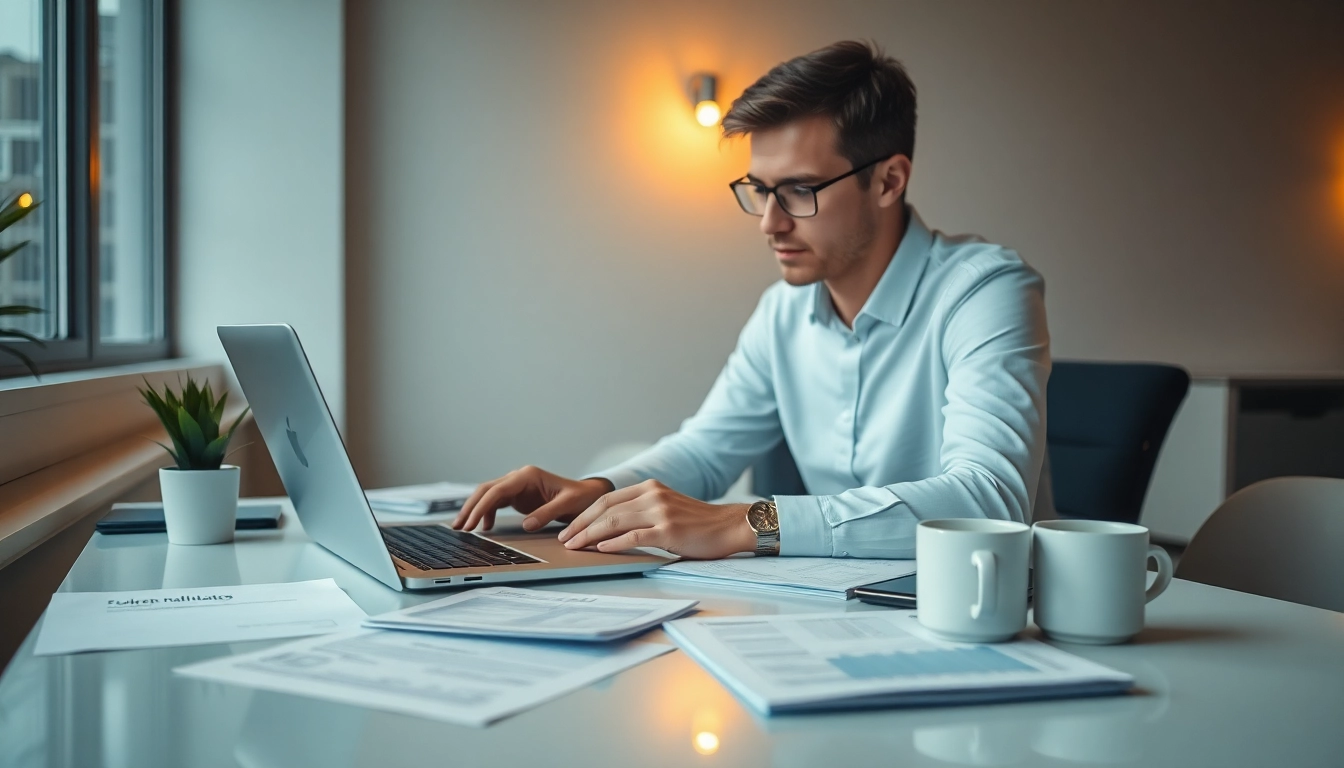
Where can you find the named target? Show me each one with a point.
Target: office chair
(1106, 422)
(1278, 538)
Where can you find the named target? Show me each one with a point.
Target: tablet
(897, 593)
(147, 517)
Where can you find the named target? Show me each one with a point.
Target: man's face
(822, 247)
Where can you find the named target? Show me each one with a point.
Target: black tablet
(897, 593)
(148, 517)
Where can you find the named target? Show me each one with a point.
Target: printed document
(107, 621)
(534, 613)
(420, 499)
(809, 576)
(802, 662)
(464, 680)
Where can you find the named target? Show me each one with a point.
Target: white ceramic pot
(200, 506)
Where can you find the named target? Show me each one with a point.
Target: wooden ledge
(41, 504)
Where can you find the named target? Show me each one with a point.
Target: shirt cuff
(619, 478)
(803, 531)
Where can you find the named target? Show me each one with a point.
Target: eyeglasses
(797, 200)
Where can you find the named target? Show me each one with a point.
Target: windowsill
(74, 442)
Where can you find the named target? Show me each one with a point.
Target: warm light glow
(706, 743)
(25, 200)
(707, 113)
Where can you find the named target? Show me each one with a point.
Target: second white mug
(1089, 580)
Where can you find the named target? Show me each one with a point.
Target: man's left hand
(652, 515)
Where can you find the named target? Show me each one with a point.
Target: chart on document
(797, 662)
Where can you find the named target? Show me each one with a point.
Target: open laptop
(310, 456)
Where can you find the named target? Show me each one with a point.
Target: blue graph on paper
(951, 661)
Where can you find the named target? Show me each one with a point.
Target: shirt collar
(891, 297)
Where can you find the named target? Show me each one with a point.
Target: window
(81, 95)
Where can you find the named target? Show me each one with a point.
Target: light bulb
(26, 200)
(707, 113)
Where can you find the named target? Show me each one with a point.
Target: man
(904, 368)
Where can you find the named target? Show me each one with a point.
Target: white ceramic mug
(972, 578)
(1090, 577)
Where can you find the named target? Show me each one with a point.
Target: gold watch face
(763, 518)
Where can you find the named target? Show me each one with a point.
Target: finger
(619, 519)
(561, 505)
(488, 521)
(501, 494)
(470, 504)
(639, 537)
(597, 508)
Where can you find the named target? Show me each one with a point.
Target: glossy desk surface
(1224, 679)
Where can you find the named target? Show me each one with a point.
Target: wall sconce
(704, 90)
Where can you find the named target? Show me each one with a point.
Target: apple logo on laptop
(294, 441)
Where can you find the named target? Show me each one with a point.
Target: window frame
(71, 102)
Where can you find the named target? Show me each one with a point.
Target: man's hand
(652, 515)
(540, 495)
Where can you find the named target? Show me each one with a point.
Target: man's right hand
(540, 495)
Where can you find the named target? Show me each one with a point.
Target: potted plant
(200, 493)
(11, 212)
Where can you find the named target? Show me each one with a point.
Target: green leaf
(191, 397)
(179, 460)
(10, 212)
(214, 452)
(21, 309)
(209, 427)
(17, 334)
(10, 250)
(26, 360)
(218, 413)
(191, 434)
(238, 421)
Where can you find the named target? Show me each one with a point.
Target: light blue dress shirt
(932, 406)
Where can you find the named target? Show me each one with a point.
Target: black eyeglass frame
(813, 188)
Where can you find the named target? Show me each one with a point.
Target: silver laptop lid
(305, 445)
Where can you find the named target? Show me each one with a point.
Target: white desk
(1224, 679)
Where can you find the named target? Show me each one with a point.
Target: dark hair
(867, 94)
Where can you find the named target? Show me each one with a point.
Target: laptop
(308, 452)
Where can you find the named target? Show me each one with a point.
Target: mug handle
(1164, 571)
(987, 577)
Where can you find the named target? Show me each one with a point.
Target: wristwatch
(763, 518)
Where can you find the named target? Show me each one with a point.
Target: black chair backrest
(1105, 423)
(776, 474)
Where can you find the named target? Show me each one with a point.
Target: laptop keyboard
(435, 547)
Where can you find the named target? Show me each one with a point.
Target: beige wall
(259, 188)
(543, 258)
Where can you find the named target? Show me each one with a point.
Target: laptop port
(442, 581)
(472, 578)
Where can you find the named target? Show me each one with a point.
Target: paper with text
(535, 613)
(809, 576)
(106, 621)
(464, 680)
(796, 662)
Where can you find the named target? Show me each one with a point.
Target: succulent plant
(11, 211)
(192, 421)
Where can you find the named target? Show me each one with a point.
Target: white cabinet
(1232, 431)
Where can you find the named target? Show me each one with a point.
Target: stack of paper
(809, 576)
(152, 618)
(535, 614)
(420, 499)
(791, 663)
(466, 680)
